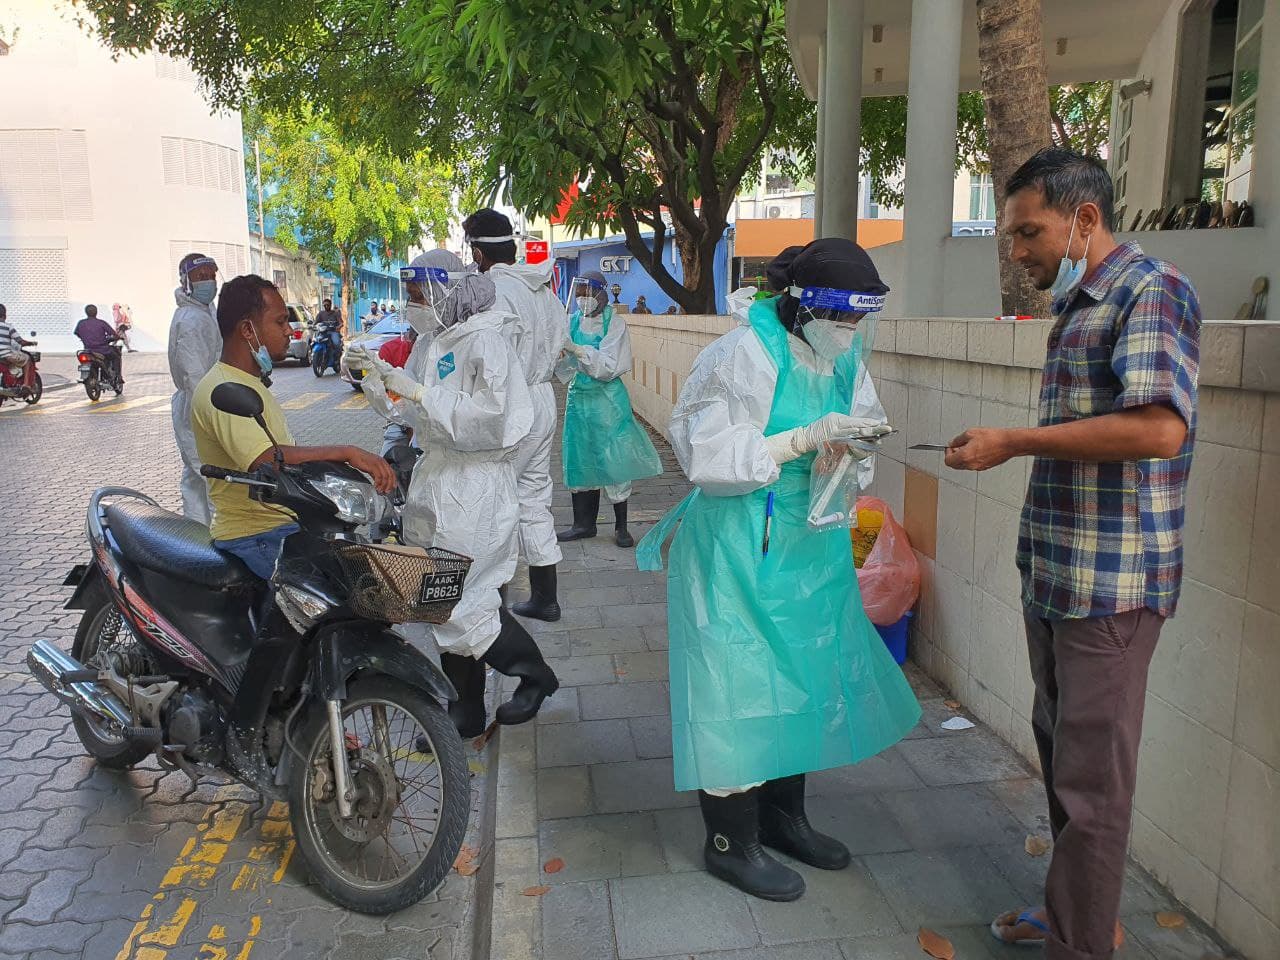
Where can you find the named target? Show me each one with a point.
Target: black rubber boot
(467, 676)
(586, 504)
(542, 603)
(733, 852)
(784, 826)
(621, 535)
(515, 654)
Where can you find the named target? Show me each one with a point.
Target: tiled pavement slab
(937, 823)
(87, 854)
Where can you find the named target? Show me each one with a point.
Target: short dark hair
(488, 222)
(90, 310)
(4, 313)
(239, 299)
(1067, 179)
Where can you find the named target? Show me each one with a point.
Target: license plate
(84, 369)
(441, 587)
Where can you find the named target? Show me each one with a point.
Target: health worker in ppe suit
(468, 405)
(775, 669)
(538, 333)
(602, 445)
(195, 343)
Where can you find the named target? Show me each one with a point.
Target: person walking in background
(195, 344)
(603, 446)
(1100, 544)
(538, 333)
(123, 323)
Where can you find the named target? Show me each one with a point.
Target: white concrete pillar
(819, 166)
(842, 119)
(933, 83)
(1264, 178)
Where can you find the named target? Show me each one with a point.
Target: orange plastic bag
(890, 577)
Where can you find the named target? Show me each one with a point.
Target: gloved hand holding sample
(792, 444)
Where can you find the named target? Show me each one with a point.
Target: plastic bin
(895, 638)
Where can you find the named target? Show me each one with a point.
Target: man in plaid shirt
(1100, 545)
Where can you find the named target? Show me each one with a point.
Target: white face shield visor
(423, 293)
(587, 296)
(838, 323)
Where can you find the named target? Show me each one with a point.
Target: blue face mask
(1070, 274)
(203, 291)
(263, 359)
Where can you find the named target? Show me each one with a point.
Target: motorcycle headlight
(357, 502)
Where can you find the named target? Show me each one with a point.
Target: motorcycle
(326, 347)
(96, 372)
(22, 383)
(297, 687)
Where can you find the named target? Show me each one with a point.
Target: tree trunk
(347, 301)
(1015, 89)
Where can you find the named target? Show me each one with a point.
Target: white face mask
(422, 317)
(830, 340)
(588, 305)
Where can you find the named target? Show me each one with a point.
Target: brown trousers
(1091, 686)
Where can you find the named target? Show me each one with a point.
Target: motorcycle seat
(169, 543)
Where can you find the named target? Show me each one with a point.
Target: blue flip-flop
(1025, 917)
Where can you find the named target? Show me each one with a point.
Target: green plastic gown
(775, 668)
(602, 443)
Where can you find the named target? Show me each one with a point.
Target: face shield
(587, 296)
(423, 293)
(838, 324)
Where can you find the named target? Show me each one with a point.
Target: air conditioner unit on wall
(773, 212)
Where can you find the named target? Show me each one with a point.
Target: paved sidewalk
(937, 824)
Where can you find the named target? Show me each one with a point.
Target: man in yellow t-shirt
(254, 324)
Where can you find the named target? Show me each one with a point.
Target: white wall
(1221, 264)
(120, 245)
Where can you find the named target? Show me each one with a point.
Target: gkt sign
(615, 264)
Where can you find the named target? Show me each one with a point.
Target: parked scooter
(297, 687)
(22, 383)
(326, 347)
(96, 372)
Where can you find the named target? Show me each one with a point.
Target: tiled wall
(1207, 816)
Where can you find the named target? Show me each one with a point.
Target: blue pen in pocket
(768, 522)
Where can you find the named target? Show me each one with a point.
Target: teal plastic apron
(602, 443)
(775, 668)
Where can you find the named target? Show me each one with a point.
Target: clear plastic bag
(566, 368)
(833, 487)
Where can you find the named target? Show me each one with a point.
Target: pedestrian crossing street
(73, 402)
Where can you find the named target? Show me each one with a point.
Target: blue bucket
(895, 638)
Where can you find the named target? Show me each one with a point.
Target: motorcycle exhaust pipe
(52, 667)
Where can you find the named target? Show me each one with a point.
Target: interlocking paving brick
(641, 667)
(652, 736)
(576, 919)
(886, 771)
(586, 742)
(607, 641)
(561, 707)
(975, 756)
(942, 887)
(637, 785)
(684, 913)
(601, 847)
(836, 903)
(578, 671)
(960, 816)
(564, 792)
(610, 701)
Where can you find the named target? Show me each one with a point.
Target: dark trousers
(1091, 686)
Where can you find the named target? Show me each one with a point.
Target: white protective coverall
(718, 422)
(607, 362)
(471, 418)
(195, 343)
(538, 333)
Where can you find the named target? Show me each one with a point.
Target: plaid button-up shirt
(1105, 538)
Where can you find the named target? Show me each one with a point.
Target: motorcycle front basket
(34, 355)
(402, 584)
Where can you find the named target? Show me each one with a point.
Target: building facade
(110, 172)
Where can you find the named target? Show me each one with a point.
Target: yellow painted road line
(302, 401)
(356, 402)
(268, 860)
(114, 407)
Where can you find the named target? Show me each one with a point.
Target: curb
(516, 932)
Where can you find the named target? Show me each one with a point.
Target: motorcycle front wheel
(410, 809)
(37, 391)
(318, 363)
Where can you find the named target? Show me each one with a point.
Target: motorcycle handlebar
(222, 473)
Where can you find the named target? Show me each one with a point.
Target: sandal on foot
(1004, 926)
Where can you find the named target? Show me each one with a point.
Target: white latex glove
(791, 444)
(576, 350)
(356, 355)
(398, 382)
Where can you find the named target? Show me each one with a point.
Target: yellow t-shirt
(234, 443)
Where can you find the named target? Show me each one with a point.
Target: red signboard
(536, 251)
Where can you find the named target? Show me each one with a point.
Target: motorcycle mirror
(34, 334)
(237, 399)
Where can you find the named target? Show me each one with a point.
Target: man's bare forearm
(1144, 433)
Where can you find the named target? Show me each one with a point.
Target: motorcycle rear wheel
(37, 391)
(102, 624)
(92, 387)
(339, 853)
